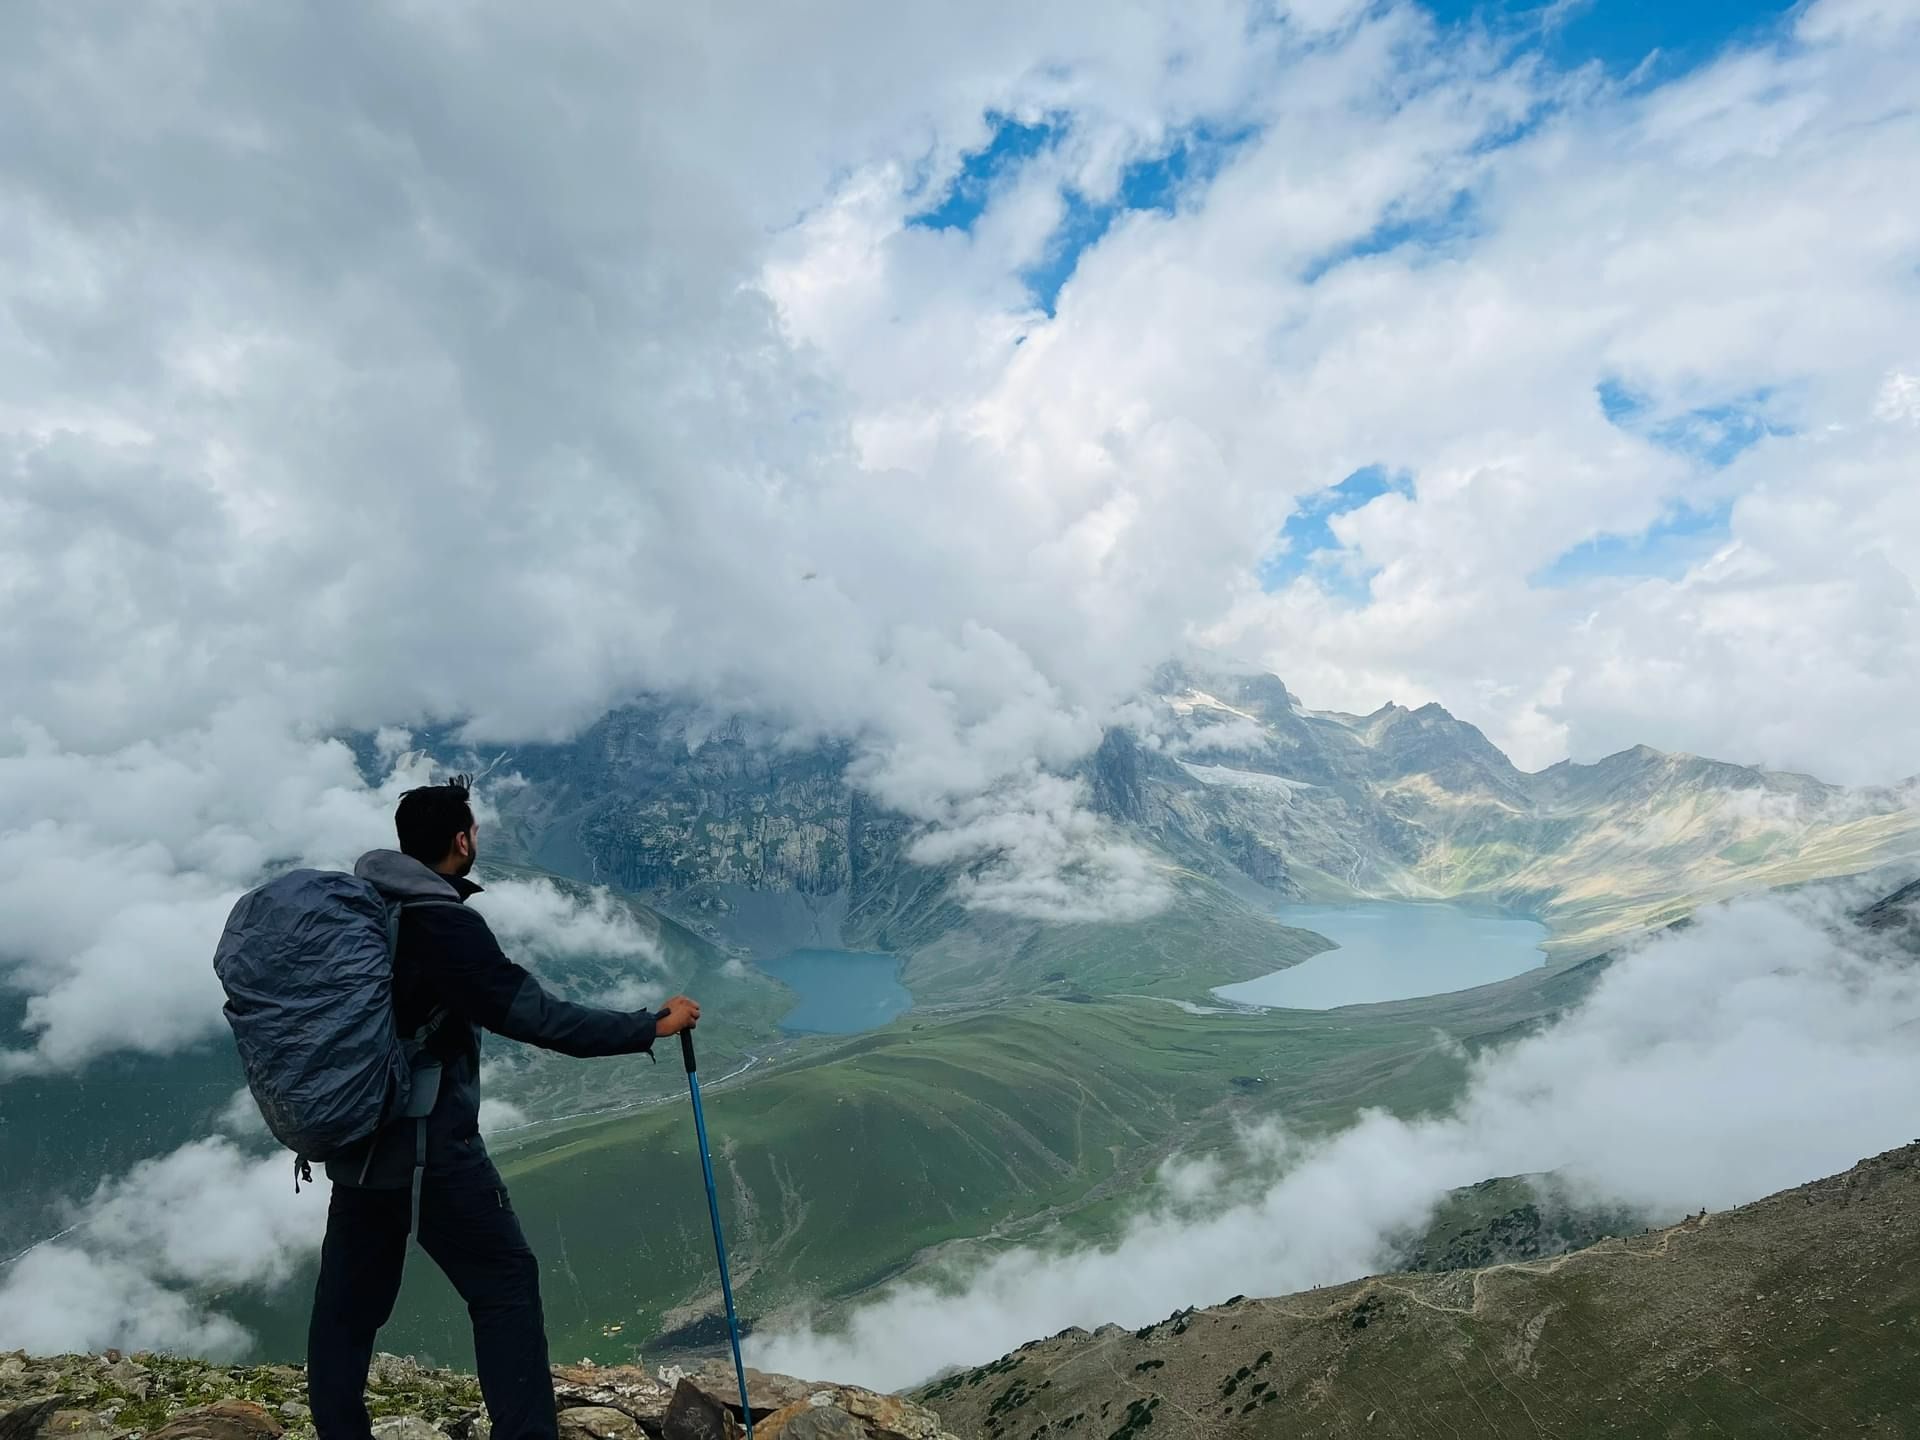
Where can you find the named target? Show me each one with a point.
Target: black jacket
(448, 959)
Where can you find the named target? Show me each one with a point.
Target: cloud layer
(139, 1266)
(353, 378)
(1764, 1047)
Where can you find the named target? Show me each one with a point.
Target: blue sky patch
(1155, 183)
(1714, 435)
(1621, 34)
(1191, 157)
(1667, 548)
(1081, 226)
(1430, 230)
(1619, 403)
(1014, 143)
(1718, 434)
(1307, 542)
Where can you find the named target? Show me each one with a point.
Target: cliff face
(158, 1397)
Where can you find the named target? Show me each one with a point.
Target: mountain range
(1224, 777)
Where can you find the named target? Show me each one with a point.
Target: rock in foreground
(157, 1397)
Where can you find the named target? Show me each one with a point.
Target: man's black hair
(430, 816)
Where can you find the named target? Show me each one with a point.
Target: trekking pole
(713, 1208)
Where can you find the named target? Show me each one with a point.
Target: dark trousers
(470, 1230)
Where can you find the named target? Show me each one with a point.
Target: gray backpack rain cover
(307, 963)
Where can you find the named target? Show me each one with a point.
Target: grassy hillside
(841, 1162)
(1796, 1315)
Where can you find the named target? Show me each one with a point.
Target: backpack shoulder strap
(416, 1042)
(394, 912)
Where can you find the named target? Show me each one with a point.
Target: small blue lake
(841, 993)
(1394, 950)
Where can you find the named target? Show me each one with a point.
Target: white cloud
(497, 1115)
(59, 1300)
(547, 923)
(147, 1252)
(483, 413)
(1033, 849)
(1761, 1048)
(629, 994)
(1899, 398)
(118, 868)
(241, 1117)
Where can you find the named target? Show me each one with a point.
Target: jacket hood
(401, 877)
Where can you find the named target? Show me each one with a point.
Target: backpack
(307, 964)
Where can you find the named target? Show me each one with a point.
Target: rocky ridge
(162, 1397)
(1795, 1315)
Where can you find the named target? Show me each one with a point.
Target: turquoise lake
(1394, 950)
(841, 992)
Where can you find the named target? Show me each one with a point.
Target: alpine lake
(841, 992)
(1385, 950)
(1394, 950)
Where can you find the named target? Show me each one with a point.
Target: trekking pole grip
(686, 1049)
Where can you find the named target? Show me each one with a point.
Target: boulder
(703, 1409)
(79, 1425)
(694, 1415)
(387, 1371)
(226, 1420)
(888, 1417)
(405, 1427)
(626, 1388)
(810, 1422)
(133, 1378)
(765, 1393)
(598, 1422)
(23, 1421)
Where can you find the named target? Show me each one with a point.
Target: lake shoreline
(1384, 951)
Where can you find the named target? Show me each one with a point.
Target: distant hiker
(447, 964)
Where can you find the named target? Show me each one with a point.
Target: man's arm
(465, 965)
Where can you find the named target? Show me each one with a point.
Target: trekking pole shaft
(713, 1209)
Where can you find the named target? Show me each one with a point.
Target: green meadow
(844, 1162)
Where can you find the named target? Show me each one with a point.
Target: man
(448, 961)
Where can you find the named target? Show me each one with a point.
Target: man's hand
(679, 1014)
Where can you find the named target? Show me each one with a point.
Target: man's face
(466, 849)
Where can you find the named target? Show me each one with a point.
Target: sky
(924, 376)
(925, 381)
